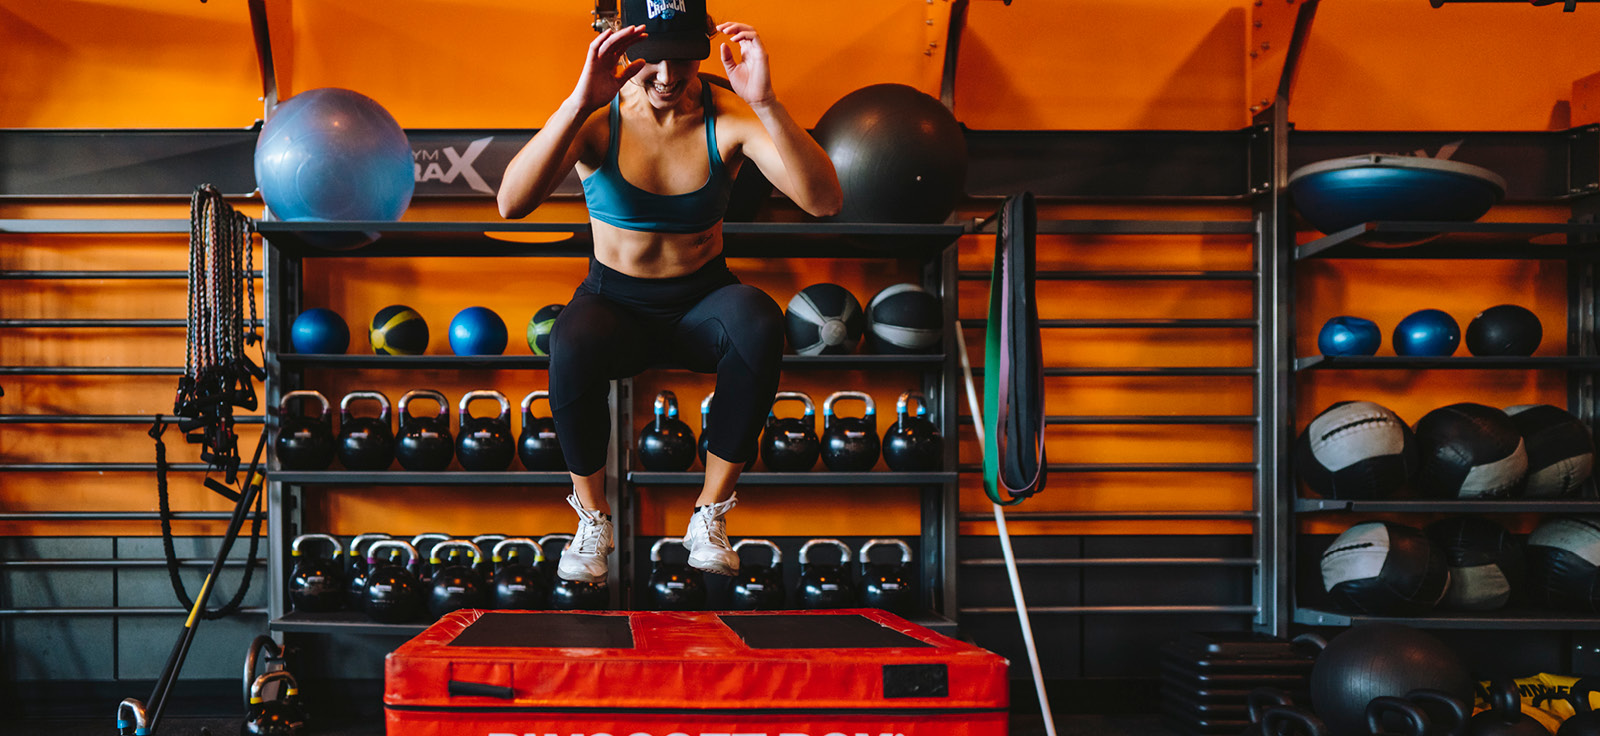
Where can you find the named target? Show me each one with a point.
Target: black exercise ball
(824, 319)
(1470, 451)
(1381, 659)
(1562, 573)
(1504, 330)
(1380, 568)
(904, 318)
(900, 155)
(1486, 562)
(1560, 450)
(1356, 450)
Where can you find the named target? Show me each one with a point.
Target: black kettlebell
(1504, 717)
(356, 587)
(424, 443)
(425, 543)
(1257, 702)
(849, 444)
(538, 447)
(666, 444)
(280, 716)
(571, 595)
(824, 585)
(252, 660)
(317, 583)
(912, 444)
(486, 565)
(131, 718)
(1391, 708)
(705, 420)
(485, 443)
(1447, 715)
(1283, 721)
(759, 587)
(1584, 721)
(304, 443)
(365, 443)
(518, 584)
(790, 445)
(455, 585)
(887, 585)
(393, 594)
(674, 586)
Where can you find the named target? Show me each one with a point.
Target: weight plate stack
(1206, 677)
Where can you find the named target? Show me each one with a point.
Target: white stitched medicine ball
(1358, 450)
(1564, 564)
(1560, 450)
(904, 318)
(1384, 569)
(1485, 560)
(1469, 451)
(824, 319)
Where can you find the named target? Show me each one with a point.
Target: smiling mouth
(666, 90)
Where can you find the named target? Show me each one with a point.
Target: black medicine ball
(398, 330)
(1470, 451)
(824, 319)
(904, 318)
(1486, 562)
(1560, 450)
(1384, 569)
(1356, 450)
(1504, 330)
(1563, 555)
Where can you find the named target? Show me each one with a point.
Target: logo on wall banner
(664, 9)
(428, 164)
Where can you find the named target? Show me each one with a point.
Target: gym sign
(466, 163)
(445, 165)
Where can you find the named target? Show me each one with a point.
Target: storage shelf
(410, 478)
(818, 477)
(542, 362)
(1374, 362)
(1496, 506)
(1467, 240)
(341, 622)
(1521, 620)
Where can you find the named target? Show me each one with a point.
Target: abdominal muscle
(649, 255)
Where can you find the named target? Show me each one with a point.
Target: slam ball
(1427, 333)
(1378, 659)
(1504, 330)
(1561, 564)
(824, 319)
(1470, 451)
(904, 318)
(1485, 560)
(477, 331)
(1357, 450)
(1345, 335)
(398, 330)
(899, 153)
(540, 326)
(1560, 450)
(319, 331)
(1380, 568)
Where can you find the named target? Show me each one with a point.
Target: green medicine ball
(539, 328)
(398, 330)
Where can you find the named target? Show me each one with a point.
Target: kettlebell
(280, 716)
(518, 585)
(1447, 715)
(252, 659)
(425, 542)
(759, 587)
(666, 444)
(1392, 708)
(485, 443)
(486, 566)
(455, 585)
(1283, 720)
(705, 416)
(131, 718)
(825, 586)
(304, 443)
(365, 443)
(790, 445)
(1584, 721)
(393, 594)
(424, 443)
(674, 586)
(1504, 717)
(912, 444)
(356, 588)
(316, 585)
(887, 586)
(572, 595)
(538, 447)
(1257, 702)
(849, 444)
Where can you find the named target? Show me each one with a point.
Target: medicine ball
(1504, 330)
(398, 330)
(1486, 562)
(904, 318)
(824, 319)
(1563, 555)
(899, 153)
(1469, 451)
(1427, 333)
(319, 331)
(1381, 659)
(1356, 450)
(477, 331)
(1560, 450)
(539, 328)
(1384, 569)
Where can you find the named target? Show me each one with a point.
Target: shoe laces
(716, 529)
(591, 529)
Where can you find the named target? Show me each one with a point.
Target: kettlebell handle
(1504, 700)
(498, 554)
(139, 724)
(777, 554)
(655, 549)
(462, 415)
(420, 539)
(666, 405)
(410, 550)
(473, 549)
(827, 406)
(705, 410)
(383, 404)
(527, 403)
(546, 540)
(905, 550)
(260, 643)
(291, 688)
(423, 393)
(1387, 704)
(357, 540)
(487, 541)
(283, 403)
(1276, 718)
(900, 405)
(294, 546)
(844, 550)
(1578, 695)
(811, 408)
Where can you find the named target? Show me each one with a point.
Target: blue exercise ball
(1427, 333)
(1344, 335)
(334, 154)
(478, 331)
(319, 331)
(1344, 192)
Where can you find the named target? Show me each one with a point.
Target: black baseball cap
(676, 29)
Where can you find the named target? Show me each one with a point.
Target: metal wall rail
(1229, 515)
(107, 611)
(1097, 610)
(1057, 420)
(96, 275)
(93, 227)
(99, 467)
(97, 564)
(1123, 275)
(107, 323)
(122, 516)
(1142, 371)
(135, 419)
(1129, 227)
(1116, 562)
(124, 370)
(1114, 324)
(1134, 467)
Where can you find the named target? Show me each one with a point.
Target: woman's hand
(750, 77)
(603, 76)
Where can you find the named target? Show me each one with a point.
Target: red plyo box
(639, 673)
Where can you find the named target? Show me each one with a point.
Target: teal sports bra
(614, 201)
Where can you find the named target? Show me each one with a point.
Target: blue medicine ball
(319, 331)
(477, 331)
(1427, 333)
(1349, 336)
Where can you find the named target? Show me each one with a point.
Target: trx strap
(1013, 448)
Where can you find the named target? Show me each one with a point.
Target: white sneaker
(707, 540)
(586, 558)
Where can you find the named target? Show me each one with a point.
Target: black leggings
(617, 326)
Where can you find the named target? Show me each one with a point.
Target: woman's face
(666, 81)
